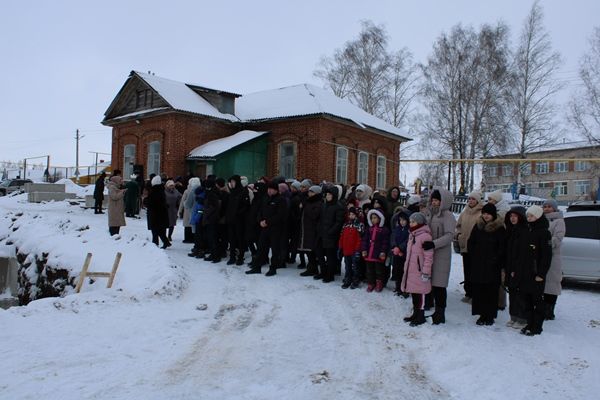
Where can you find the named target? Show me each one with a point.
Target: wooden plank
(114, 270)
(82, 275)
(99, 274)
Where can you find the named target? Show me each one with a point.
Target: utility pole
(77, 138)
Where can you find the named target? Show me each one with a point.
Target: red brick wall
(315, 138)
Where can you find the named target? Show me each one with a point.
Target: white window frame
(542, 168)
(583, 187)
(128, 160)
(562, 188)
(341, 165)
(581, 166)
(526, 169)
(362, 174)
(287, 163)
(492, 170)
(561, 167)
(507, 170)
(153, 164)
(381, 172)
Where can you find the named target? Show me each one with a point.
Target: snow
(216, 333)
(218, 146)
(305, 99)
(181, 97)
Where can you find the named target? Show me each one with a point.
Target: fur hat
(296, 185)
(307, 183)
(536, 211)
(552, 203)
(418, 217)
(414, 199)
(315, 189)
(436, 195)
(476, 194)
(489, 208)
(496, 196)
(156, 181)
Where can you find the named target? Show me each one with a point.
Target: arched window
(128, 160)
(362, 175)
(341, 165)
(154, 158)
(287, 159)
(381, 172)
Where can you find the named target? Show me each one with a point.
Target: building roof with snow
(219, 146)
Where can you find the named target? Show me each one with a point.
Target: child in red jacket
(349, 244)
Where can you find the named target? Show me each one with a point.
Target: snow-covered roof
(219, 146)
(181, 97)
(302, 100)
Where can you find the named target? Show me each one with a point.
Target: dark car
(12, 185)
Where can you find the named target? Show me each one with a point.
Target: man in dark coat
(235, 214)
(158, 218)
(330, 226)
(131, 197)
(99, 193)
(271, 218)
(312, 208)
(210, 219)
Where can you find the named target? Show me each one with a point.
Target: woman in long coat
(486, 250)
(517, 247)
(442, 223)
(158, 219)
(309, 221)
(186, 205)
(554, 277)
(116, 205)
(173, 198)
(466, 221)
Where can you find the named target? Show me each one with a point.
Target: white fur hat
(536, 211)
(156, 181)
(414, 199)
(497, 196)
(476, 194)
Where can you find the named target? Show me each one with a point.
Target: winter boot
(419, 318)
(272, 271)
(549, 312)
(254, 270)
(239, 260)
(378, 286)
(411, 317)
(370, 287)
(438, 317)
(231, 260)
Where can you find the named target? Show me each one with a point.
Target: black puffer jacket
(238, 203)
(309, 221)
(486, 249)
(332, 220)
(156, 205)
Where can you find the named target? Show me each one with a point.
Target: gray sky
(64, 61)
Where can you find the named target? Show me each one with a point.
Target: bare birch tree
(585, 104)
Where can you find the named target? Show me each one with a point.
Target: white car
(580, 250)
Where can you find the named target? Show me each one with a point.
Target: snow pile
(72, 187)
(59, 236)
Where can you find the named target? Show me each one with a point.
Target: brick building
(565, 171)
(160, 125)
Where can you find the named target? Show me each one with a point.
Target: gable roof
(220, 146)
(304, 100)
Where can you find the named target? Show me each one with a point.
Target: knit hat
(414, 199)
(307, 183)
(273, 185)
(552, 203)
(436, 195)
(156, 181)
(315, 189)
(169, 183)
(536, 211)
(476, 194)
(295, 184)
(496, 196)
(489, 208)
(283, 187)
(418, 218)
(352, 210)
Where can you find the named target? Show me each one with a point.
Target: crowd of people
(377, 235)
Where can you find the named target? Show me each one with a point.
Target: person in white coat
(557, 229)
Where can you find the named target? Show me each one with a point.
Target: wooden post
(86, 265)
(114, 270)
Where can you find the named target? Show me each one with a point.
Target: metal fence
(460, 203)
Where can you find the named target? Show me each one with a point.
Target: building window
(363, 167)
(492, 170)
(541, 168)
(582, 187)
(507, 170)
(154, 158)
(581, 166)
(287, 159)
(381, 172)
(128, 160)
(341, 165)
(561, 167)
(544, 185)
(561, 188)
(144, 98)
(526, 169)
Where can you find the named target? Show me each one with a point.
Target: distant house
(161, 125)
(560, 171)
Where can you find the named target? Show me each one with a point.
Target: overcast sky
(62, 62)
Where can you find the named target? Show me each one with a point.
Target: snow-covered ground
(174, 327)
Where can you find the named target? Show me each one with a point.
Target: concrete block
(38, 197)
(89, 201)
(45, 187)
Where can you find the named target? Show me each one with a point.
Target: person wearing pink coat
(417, 268)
